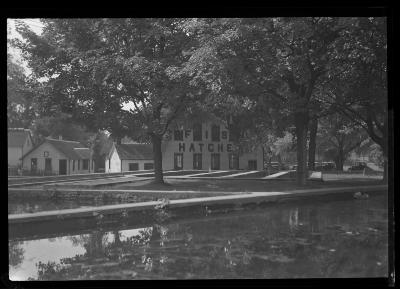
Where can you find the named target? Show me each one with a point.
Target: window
(73, 165)
(178, 161)
(197, 161)
(215, 133)
(224, 134)
(79, 165)
(215, 164)
(109, 163)
(233, 162)
(133, 166)
(178, 135)
(197, 132)
(33, 164)
(252, 164)
(148, 166)
(85, 164)
(47, 165)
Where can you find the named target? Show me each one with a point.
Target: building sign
(181, 134)
(45, 154)
(211, 147)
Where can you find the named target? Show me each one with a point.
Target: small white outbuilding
(129, 157)
(58, 157)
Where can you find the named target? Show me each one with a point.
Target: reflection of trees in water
(293, 218)
(96, 244)
(231, 246)
(15, 253)
(101, 258)
(342, 253)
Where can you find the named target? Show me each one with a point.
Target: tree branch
(332, 142)
(173, 116)
(351, 148)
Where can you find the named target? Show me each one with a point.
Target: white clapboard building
(58, 157)
(19, 142)
(207, 146)
(201, 146)
(129, 157)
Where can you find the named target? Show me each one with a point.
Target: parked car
(325, 166)
(276, 166)
(358, 166)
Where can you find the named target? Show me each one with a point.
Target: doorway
(62, 167)
(215, 161)
(47, 165)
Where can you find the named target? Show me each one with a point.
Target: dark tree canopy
(137, 77)
(96, 66)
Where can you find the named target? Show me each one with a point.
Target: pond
(302, 239)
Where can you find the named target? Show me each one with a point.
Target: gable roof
(68, 148)
(17, 137)
(84, 153)
(134, 151)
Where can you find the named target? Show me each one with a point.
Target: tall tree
(359, 83)
(20, 96)
(276, 61)
(304, 47)
(61, 126)
(312, 144)
(96, 67)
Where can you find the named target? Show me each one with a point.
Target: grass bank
(239, 186)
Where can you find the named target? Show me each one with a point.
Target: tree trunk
(385, 171)
(385, 147)
(339, 162)
(382, 141)
(270, 171)
(117, 239)
(385, 164)
(301, 134)
(158, 172)
(340, 157)
(312, 144)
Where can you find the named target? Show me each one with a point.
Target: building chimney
(60, 137)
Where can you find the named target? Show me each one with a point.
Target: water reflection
(294, 218)
(335, 239)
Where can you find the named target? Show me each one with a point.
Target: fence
(15, 171)
(364, 174)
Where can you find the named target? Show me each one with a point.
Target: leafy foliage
(96, 66)
(20, 96)
(338, 137)
(277, 74)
